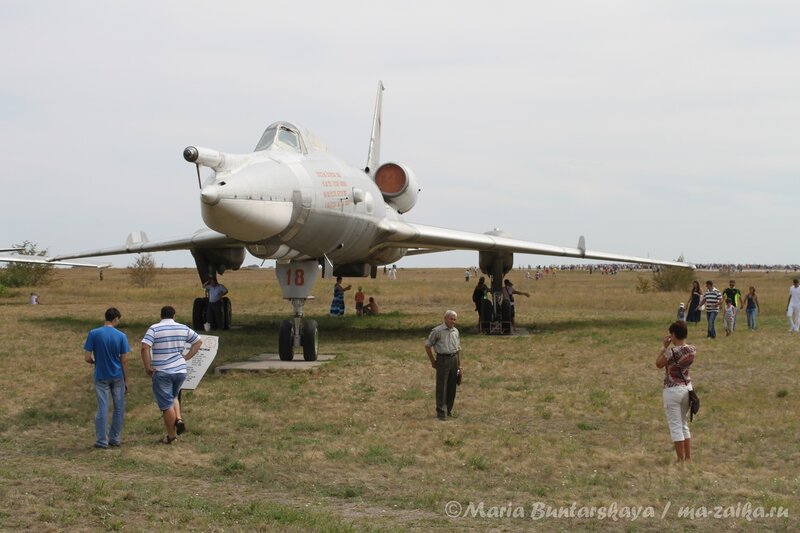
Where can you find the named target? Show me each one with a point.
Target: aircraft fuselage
(295, 206)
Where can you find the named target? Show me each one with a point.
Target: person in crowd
(729, 319)
(711, 299)
(164, 362)
(736, 297)
(372, 307)
(478, 294)
(682, 312)
(107, 349)
(215, 313)
(693, 315)
(508, 295)
(443, 347)
(359, 302)
(751, 307)
(337, 305)
(793, 306)
(675, 357)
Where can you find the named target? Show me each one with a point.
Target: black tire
(487, 315)
(286, 340)
(310, 340)
(199, 308)
(227, 313)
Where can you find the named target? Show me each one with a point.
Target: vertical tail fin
(374, 155)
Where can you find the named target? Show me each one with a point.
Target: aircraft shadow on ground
(354, 328)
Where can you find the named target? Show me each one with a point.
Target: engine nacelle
(398, 184)
(213, 261)
(352, 270)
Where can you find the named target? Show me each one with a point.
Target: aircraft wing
(425, 239)
(137, 242)
(39, 260)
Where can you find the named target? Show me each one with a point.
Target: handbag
(694, 399)
(694, 404)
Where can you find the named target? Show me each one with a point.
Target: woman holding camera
(676, 360)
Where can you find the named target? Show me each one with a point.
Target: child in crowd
(682, 312)
(730, 316)
(359, 302)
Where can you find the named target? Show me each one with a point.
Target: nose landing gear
(297, 280)
(298, 333)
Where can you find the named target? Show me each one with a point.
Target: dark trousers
(446, 370)
(214, 315)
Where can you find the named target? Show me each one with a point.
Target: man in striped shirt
(711, 299)
(162, 355)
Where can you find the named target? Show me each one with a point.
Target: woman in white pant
(676, 360)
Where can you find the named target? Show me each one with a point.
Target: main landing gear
(296, 280)
(495, 311)
(200, 314)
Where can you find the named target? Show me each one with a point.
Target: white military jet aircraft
(293, 201)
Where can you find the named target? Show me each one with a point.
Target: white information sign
(197, 366)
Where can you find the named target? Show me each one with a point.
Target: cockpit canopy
(288, 137)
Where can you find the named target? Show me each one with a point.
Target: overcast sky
(652, 128)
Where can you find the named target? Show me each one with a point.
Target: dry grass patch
(570, 413)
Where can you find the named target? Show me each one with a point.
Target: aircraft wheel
(286, 340)
(310, 340)
(227, 313)
(199, 309)
(487, 315)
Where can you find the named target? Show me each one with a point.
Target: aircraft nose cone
(210, 195)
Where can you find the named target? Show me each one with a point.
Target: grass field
(568, 417)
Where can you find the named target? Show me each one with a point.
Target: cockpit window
(267, 139)
(289, 138)
(280, 137)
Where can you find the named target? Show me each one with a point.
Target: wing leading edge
(429, 238)
(137, 243)
(38, 260)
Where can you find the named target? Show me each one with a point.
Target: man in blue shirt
(107, 349)
(214, 314)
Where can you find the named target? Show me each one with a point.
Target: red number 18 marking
(299, 276)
